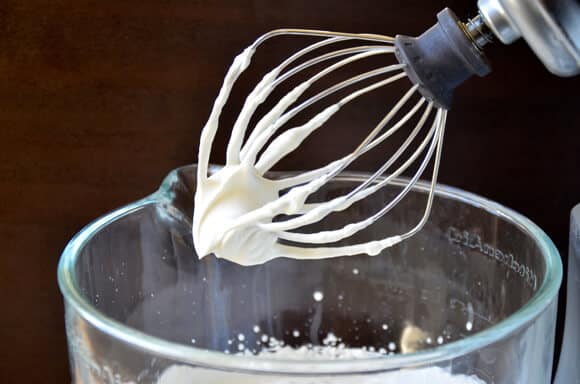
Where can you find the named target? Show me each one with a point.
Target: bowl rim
(191, 355)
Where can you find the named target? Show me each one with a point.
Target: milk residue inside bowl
(331, 349)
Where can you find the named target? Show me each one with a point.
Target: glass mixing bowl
(474, 294)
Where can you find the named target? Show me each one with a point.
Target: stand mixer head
(551, 29)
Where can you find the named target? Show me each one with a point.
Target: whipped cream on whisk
(235, 207)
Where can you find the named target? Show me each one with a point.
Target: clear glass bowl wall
(474, 293)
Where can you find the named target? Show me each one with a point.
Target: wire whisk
(244, 215)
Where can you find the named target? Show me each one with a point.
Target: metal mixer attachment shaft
(450, 52)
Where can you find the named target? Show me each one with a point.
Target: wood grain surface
(100, 99)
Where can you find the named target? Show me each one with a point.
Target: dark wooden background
(100, 99)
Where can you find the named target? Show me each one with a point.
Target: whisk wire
(317, 211)
(352, 228)
(255, 146)
(322, 33)
(347, 200)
